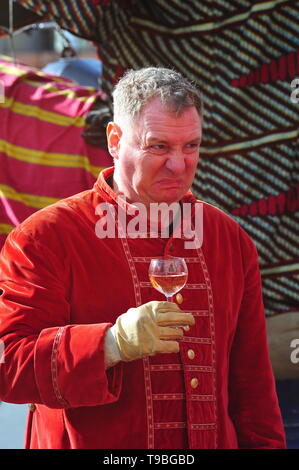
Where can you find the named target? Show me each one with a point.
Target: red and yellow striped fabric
(43, 155)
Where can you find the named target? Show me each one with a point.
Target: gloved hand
(148, 330)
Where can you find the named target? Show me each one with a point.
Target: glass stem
(168, 298)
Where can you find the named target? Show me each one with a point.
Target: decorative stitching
(213, 342)
(187, 286)
(164, 367)
(202, 397)
(149, 402)
(133, 272)
(122, 232)
(172, 367)
(194, 427)
(204, 427)
(169, 396)
(191, 339)
(199, 313)
(197, 368)
(170, 425)
(147, 259)
(195, 286)
(56, 342)
(181, 396)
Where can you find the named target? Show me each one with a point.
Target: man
(103, 360)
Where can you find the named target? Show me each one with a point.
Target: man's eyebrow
(156, 139)
(150, 140)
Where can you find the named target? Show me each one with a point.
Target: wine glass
(168, 275)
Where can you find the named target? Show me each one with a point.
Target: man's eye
(159, 148)
(192, 147)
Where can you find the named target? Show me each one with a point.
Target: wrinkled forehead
(169, 107)
(160, 119)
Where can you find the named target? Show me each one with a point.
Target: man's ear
(113, 132)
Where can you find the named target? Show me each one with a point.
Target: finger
(166, 347)
(168, 307)
(170, 333)
(174, 318)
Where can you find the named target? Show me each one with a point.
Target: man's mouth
(169, 183)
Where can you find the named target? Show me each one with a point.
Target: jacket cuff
(70, 367)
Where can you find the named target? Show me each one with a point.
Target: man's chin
(170, 196)
(167, 201)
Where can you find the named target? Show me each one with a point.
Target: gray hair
(137, 87)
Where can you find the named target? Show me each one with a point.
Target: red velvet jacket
(63, 287)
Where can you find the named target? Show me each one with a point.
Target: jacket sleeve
(47, 359)
(253, 401)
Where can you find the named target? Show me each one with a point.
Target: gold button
(179, 298)
(191, 354)
(31, 407)
(194, 382)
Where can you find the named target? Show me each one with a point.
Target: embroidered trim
(56, 343)
(122, 232)
(164, 367)
(187, 286)
(196, 368)
(182, 396)
(200, 313)
(149, 402)
(213, 342)
(147, 259)
(172, 367)
(191, 339)
(194, 427)
(202, 397)
(204, 427)
(169, 396)
(170, 425)
(133, 272)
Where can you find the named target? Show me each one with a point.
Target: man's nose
(176, 162)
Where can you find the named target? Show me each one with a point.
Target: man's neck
(156, 220)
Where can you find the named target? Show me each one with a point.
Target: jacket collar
(105, 191)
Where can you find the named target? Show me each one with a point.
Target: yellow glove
(149, 329)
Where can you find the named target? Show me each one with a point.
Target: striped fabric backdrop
(43, 156)
(243, 54)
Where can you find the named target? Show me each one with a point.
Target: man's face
(155, 155)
